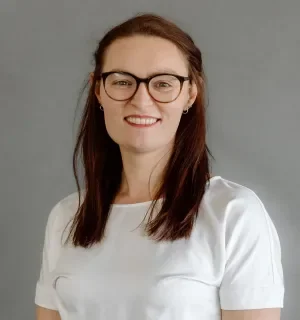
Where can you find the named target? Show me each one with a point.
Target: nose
(142, 96)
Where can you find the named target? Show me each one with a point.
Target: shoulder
(61, 213)
(220, 188)
(228, 200)
(235, 211)
(239, 220)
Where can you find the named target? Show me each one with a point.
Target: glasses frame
(147, 80)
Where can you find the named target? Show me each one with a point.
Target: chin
(140, 148)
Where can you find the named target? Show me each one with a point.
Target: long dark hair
(187, 173)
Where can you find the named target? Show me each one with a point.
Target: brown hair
(187, 172)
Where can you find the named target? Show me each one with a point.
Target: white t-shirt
(232, 261)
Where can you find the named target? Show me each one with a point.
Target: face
(143, 57)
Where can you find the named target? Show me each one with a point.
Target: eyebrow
(158, 71)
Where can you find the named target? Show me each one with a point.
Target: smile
(141, 121)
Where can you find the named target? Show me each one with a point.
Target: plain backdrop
(251, 52)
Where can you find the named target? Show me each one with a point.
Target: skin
(145, 151)
(263, 314)
(46, 314)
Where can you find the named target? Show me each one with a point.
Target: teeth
(144, 121)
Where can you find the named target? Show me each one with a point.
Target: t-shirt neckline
(147, 203)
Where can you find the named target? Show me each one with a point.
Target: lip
(141, 116)
(142, 125)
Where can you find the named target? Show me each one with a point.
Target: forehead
(145, 55)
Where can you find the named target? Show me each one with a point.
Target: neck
(142, 175)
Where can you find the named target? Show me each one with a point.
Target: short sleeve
(253, 276)
(44, 295)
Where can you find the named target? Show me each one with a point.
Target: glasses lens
(164, 88)
(120, 86)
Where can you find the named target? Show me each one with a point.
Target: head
(144, 67)
(159, 103)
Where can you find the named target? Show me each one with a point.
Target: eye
(162, 84)
(122, 83)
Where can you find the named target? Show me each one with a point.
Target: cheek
(175, 121)
(112, 115)
(170, 123)
(113, 121)
(172, 112)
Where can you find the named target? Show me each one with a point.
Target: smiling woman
(208, 248)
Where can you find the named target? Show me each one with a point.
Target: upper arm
(46, 314)
(263, 314)
(45, 293)
(253, 277)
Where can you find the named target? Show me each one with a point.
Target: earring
(101, 108)
(186, 110)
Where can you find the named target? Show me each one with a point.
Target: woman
(153, 235)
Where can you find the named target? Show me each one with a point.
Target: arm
(46, 314)
(46, 308)
(259, 314)
(252, 284)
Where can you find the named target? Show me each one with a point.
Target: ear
(193, 91)
(91, 78)
(97, 86)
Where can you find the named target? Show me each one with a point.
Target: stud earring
(101, 108)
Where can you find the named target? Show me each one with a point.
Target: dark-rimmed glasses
(122, 86)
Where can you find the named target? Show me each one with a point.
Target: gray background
(251, 53)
